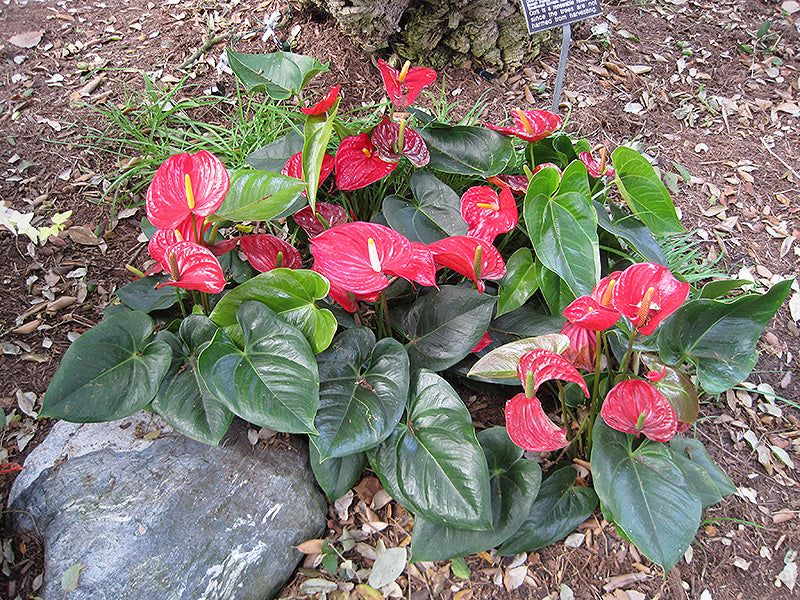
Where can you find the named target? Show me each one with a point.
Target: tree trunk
(439, 32)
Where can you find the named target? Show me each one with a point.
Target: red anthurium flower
(360, 257)
(647, 294)
(326, 216)
(488, 214)
(193, 267)
(597, 168)
(518, 184)
(422, 264)
(294, 168)
(266, 252)
(656, 376)
(539, 167)
(404, 86)
(530, 125)
(537, 366)
(324, 104)
(603, 289)
(530, 428)
(347, 299)
(473, 257)
(636, 406)
(224, 246)
(582, 351)
(358, 165)
(589, 313)
(184, 185)
(482, 343)
(393, 140)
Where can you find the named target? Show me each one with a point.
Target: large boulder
(153, 515)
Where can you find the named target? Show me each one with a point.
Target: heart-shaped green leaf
(142, 294)
(260, 196)
(291, 293)
(557, 294)
(433, 464)
(562, 226)
(707, 478)
(520, 282)
(183, 400)
(720, 337)
(644, 192)
(336, 475)
(717, 289)
(467, 150)
(273, 156)
(676, 387)
(434, 212)
(632, 230)
(109, 372)
(444, 325)
(514, 483)
(526, 321)
(272, 382)
(646, 494)
(363, 392)
(501, 363)
(279, 74)
(558, 509)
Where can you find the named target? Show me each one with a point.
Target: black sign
(546, 14)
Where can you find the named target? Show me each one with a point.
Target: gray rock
(169, 518)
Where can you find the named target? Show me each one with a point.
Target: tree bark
(439, 32)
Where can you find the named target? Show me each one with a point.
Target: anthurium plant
(343, 308)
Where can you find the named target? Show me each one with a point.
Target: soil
(704, 88)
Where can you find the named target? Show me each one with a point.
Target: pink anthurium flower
(360, 257)
(530, 125)
(488, 214)
(473, 257)
(404, 86)
(537, 366)
(358, 165)
(530, 428)
(597, 168)
(186, 185)
(324, 104)
(587, 312)
(647, 294)
(582, 351)
(266, 252)
(393, 140)
(193, 267)
(518, 184)
(656, 376)
(294, 168)
(636, 406)
(324, 216)
(482, 343)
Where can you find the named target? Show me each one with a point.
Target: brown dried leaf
(28, 39)
(83, 235)
(311, 546)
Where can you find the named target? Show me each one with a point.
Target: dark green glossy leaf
(644, 192)
(520, 282)
(556, 292)
(317, 133)
(526, 321)
(562, 226)
(183, 400)
(720, 337)
(142, 294)
(443, 326)
(279, 74)
(273, 156)
(363, 392)
(336, 476)
(292, 294)
(433, 464)
(514, 483)
(467, 150)
(272, 382)
(109, 372)
(261, 196)
(707, 478)
(434, 212)
(717, 289)
(558, 509)
(676, 387)
(646, 494)
(632, 230)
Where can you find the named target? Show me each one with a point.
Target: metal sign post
(541, 15)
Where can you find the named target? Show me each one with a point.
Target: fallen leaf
(388, 567)
(28, 39)
(83, 235)
(69, 579)
(311, 546)
(515, 577)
